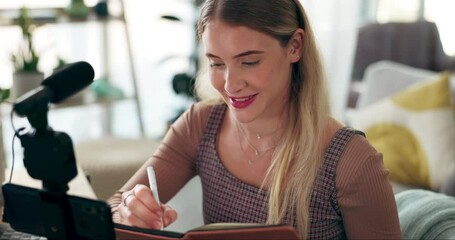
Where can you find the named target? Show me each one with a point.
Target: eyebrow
(238, 55)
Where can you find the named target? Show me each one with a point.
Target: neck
(265, 127)
(262, 136)
(259, 151)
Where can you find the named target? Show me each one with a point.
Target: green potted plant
(26, 74)
(77, 9)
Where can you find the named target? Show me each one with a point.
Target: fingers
(127, 217)
(169, 215)
(140, 209)
(143, 193)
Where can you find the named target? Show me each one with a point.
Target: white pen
(154, 188)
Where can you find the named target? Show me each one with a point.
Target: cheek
(275, 74)
(277, 70)
(281, 78)
(217, 81)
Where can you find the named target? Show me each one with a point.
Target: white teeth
(241, 99)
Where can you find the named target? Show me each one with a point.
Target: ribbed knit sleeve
(364, 194)
(174, 159)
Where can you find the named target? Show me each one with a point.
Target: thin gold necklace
(258, 153)
(259, 137)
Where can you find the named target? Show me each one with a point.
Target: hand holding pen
(154, 188)
(141, 207)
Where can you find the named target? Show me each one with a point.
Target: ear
(295, 45)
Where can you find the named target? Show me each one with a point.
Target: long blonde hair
(296, 163)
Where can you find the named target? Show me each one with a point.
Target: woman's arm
(174, 159)
(364, 194)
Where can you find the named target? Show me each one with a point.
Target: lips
(242, 102)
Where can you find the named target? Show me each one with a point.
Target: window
(397, 10)
(8, 4)
(437, 11)
(441, 12)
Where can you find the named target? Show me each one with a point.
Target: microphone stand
(49, 156)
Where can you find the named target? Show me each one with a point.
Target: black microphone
(65, 82)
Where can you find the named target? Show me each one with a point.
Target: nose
(233, 82)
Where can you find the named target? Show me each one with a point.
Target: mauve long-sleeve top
(352, 198)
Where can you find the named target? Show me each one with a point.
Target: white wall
(335, 23)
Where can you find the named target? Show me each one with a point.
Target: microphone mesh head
(69, 80)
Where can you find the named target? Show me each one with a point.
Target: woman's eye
(251, 63)
(216, 64)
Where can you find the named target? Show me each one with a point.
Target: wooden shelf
(90, 101)
(76, 102)
(57, 15)
(43, 16)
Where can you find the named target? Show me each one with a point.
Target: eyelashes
(248, 64)
(251, 63)
(213, 65)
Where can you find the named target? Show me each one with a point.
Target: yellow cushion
(414, 130)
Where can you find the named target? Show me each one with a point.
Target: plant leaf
(4, 94)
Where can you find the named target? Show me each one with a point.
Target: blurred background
(145, 53)
(161, 41)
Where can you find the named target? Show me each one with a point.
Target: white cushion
(385, 78)
(415, 131)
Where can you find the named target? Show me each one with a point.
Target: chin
(244, 115)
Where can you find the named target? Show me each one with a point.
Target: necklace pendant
(256, 152)
(258, 137)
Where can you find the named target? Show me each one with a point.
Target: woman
(266, 149)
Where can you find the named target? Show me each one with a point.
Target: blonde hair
(297, 160)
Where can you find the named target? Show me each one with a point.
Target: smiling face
(251, 70)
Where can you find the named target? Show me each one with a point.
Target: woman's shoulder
(358, 159)
(357, 156)
(203, 106)
(357, 143)
(201, 110)
(356, 150)
(198, 114)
